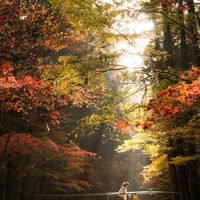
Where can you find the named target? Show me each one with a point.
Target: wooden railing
(133, 195)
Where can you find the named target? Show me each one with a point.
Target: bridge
(132, 195)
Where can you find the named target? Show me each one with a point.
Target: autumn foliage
(23, 53)
(27, 28)
(124, 126)
(29, 155)
(176, 99)
(31, 38)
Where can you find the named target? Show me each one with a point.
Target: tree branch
(160, 12)
(139, 89)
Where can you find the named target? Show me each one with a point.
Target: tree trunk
(167, 38)
(193, 33)
(183, 183)
(10, 181)
(172, 170)
(193, 174)
(183, 57)
(194, 180)
(5, 163)
(182, 174)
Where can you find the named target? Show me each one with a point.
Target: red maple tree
(31, 34)
(173, 100)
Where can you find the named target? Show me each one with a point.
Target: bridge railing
(132, 195)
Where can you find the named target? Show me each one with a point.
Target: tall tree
(37, 88)
(175, 49)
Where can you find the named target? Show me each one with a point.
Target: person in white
(123, 190)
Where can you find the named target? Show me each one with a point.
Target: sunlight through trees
(97, 92)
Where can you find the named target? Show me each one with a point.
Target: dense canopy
(70, 118)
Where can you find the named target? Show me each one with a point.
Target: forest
(74, 119)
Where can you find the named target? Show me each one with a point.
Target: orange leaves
(25, 93)
(146, 125)
(30, 32)
(28, 153)
(169, 102)
(124, 126)
(55, 115)
(6, 68)
(173, 100)
(25, 28)
(8, 2)
(129, 127)
(18, 144)
(182, 7)
(74, 150)
(191, 75)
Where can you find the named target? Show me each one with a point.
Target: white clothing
(122, 192)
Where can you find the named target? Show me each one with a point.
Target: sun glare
(131, 55)
(131, 51)
(140, 25)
